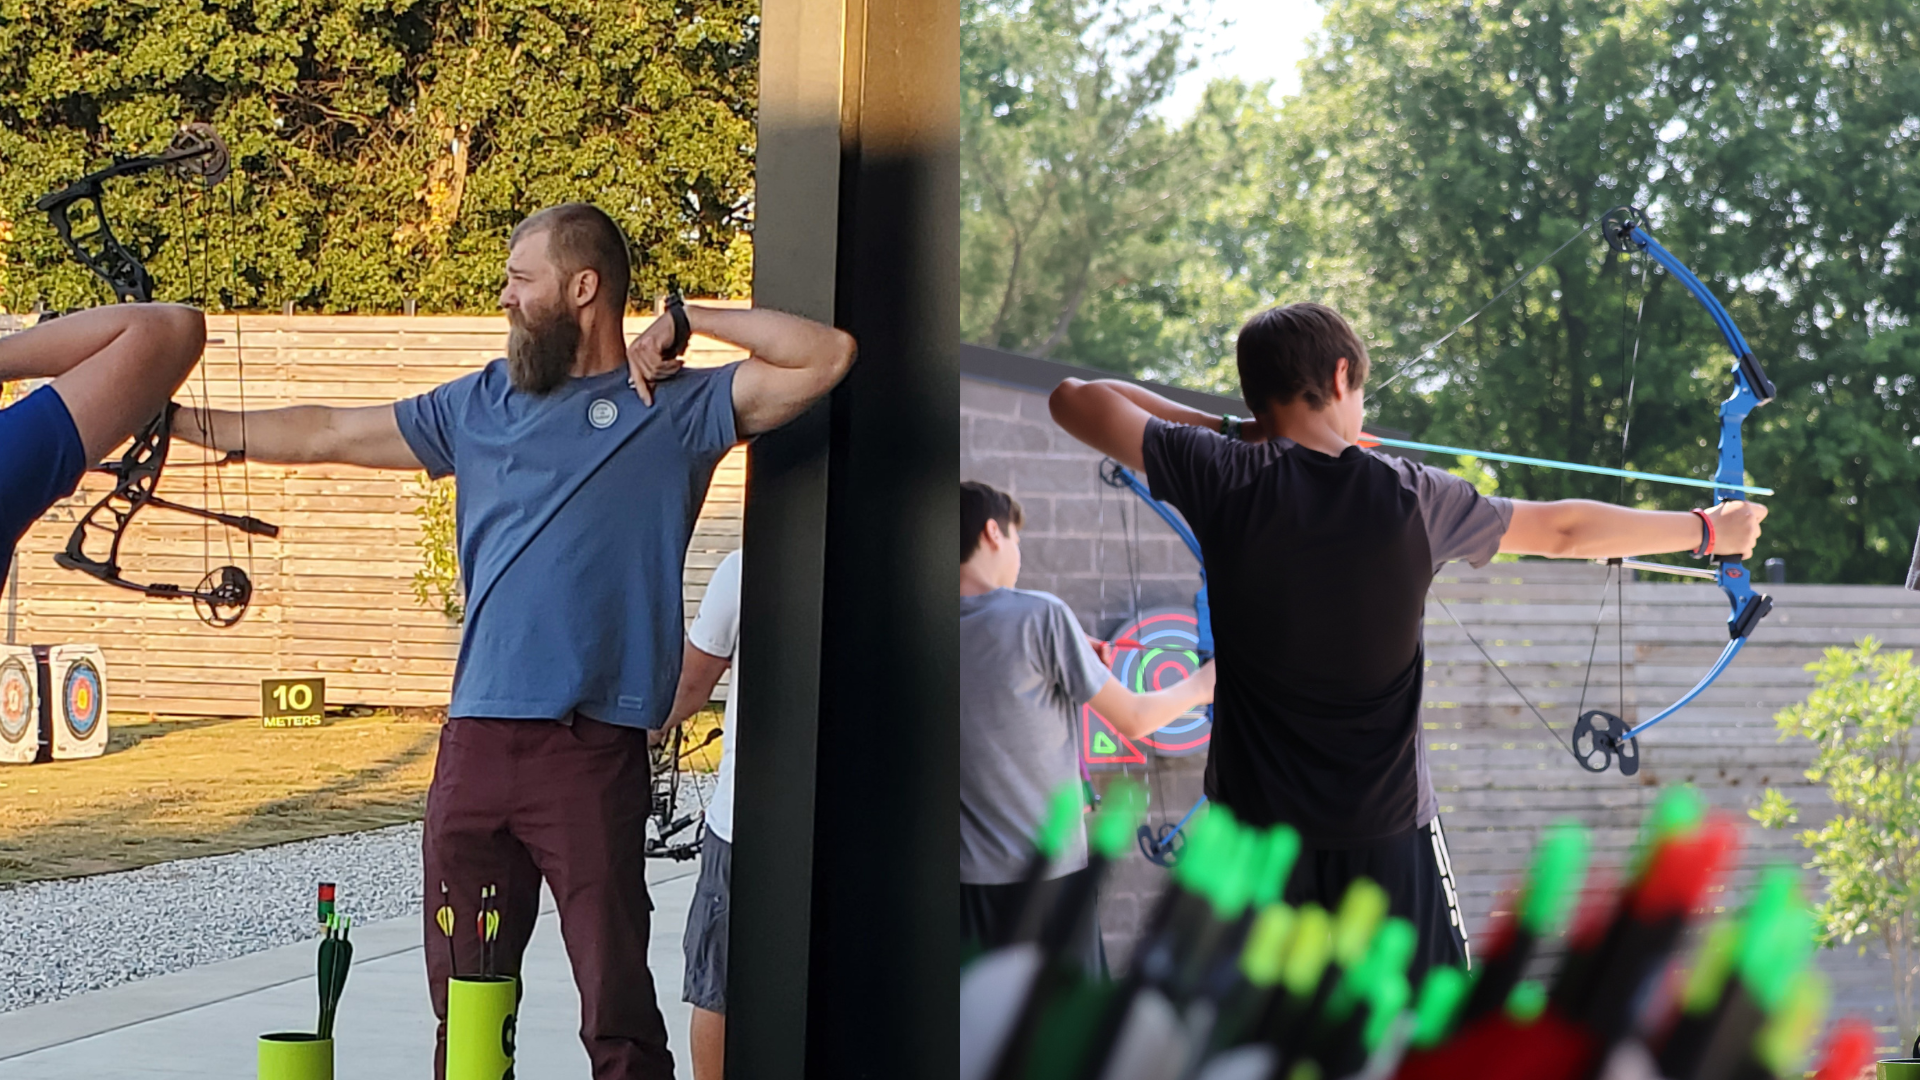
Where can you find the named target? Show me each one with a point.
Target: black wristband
(682, 327)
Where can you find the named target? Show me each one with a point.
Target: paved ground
(203, 1022)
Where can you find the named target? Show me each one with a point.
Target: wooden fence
(1501, 777)
(334, 592)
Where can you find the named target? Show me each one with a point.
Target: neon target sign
(1152, 652)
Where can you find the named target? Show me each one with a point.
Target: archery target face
(80, 687)
(80, 697)
(19, 712)
(1169, 654)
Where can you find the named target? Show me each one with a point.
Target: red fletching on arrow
(1849, 1051)
(1683, 868)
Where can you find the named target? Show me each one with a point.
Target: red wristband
(1706, 535)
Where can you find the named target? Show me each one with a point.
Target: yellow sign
(292, 703)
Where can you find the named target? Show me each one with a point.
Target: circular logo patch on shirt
(602, 413)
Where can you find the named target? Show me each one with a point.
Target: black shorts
(988, 914)
(705, 943)
(1417, 873)
(41, 462)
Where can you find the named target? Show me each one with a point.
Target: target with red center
(1152, 652)
(16, 700)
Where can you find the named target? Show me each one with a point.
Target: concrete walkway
(203, 1022)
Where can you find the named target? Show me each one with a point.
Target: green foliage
(383, 149)
(437, 583)
(1439, 149)
(1068, 179)
(1860, 719)
(1451, 146)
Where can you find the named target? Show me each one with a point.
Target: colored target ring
(82, 695)
(1170, 653)
(16, 700)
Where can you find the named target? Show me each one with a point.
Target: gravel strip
(61, 938)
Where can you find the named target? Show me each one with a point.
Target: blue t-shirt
(41, 462)
(573, 518)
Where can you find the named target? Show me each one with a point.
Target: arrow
(1597, 470)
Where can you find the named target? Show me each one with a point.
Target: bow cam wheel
(1599, 737)
(223, 596)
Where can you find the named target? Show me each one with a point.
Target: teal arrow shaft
(1597, 470)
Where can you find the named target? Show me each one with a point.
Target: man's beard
(540, 350)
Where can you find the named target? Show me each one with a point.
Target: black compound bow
(195, 155)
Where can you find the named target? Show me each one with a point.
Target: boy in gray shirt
(1026, 668)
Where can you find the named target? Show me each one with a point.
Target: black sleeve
(1183, 466)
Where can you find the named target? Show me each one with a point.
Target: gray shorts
(705, 944)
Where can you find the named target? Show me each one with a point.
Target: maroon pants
(515, 801)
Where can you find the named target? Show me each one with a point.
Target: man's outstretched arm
(113, 367)
(303, 435)
(1111, 416)
(1583, 529)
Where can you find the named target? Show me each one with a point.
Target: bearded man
(582, 463)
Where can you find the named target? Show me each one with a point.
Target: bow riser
(196, 153)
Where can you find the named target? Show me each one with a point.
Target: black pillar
(844, 945)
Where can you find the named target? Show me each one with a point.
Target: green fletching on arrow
(1361, 910)
(1282, 844)
(1779, 937)
(1527, 1002)
(1064, 811)
(1387, 958)
(1782, 1044)
(1309, 951)
(1680, 811)
(1240, 862)
(1384, 1005)
(1558, 871)
(1707, 982)
(1393, 946)
(1265, 953)
(1119, 816)
(1197, 859)
(1441, 996)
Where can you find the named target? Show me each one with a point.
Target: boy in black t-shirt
(1319, 554)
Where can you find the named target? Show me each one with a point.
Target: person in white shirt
(711, 644)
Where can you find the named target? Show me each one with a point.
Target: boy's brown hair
(1290, 352)
(979, 504)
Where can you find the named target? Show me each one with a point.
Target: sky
(1267, 40)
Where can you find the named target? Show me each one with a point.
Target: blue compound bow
(1600, 737)
(1161, 845)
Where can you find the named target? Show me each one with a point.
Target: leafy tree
(383, 148)
(1860, 719)
(1070, 182)
(437, 583)
(1447, 147)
